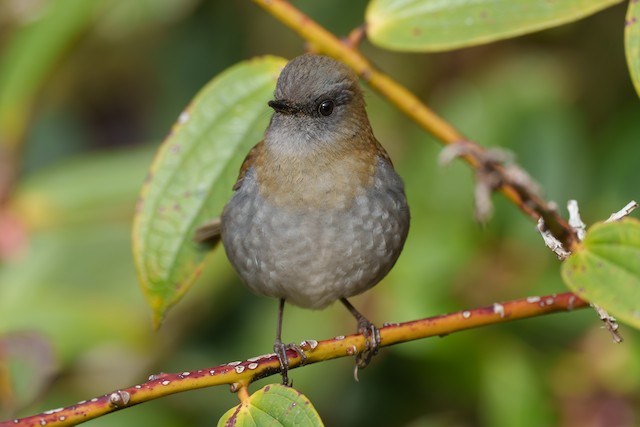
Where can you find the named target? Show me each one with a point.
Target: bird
(318, 212)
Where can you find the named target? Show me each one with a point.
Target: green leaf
(32, 52)
(435, 25)
(77, 216)
(83, 190)
(605, 269)
(273, 405)
(192, 175)
(632, 42)
(121, 19)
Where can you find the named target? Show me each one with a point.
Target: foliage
(72, 84)
(274, 405)
(192, 175)
(605, 268)
(428, 26)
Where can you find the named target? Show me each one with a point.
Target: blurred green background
(89, 88)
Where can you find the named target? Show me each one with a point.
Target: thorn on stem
(610, 323)
(551, 242)
(630, 207)
(355, 37)
(119, 398)
(575, 221)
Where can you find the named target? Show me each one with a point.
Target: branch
(240, 374)
(524, 197)
(616, 216)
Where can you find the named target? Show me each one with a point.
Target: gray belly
(314, 257)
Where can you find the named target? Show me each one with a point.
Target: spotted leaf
(273, 405)
(632, 42)
(192, 176)
(436, 25)
(605, 269)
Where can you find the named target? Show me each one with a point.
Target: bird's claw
(372, 344)
(280, 349)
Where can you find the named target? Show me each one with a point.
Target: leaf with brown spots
(434, 25)
(632, 42)
(192, 176)
(273, 405)
(605, 269)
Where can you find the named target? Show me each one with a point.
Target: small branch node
(551, 242)
(610, 323)
(452, 151)
(154, 377)
(495, 168)
(355, 37)
(485, 186)
(119, 399)
(575, 221)
(518, 177)
(487, 179)
(308, 345)
(616, 216)
(499, 309)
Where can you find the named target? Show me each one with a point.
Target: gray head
(317, 100)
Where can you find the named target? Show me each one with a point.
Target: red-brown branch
(240, 374)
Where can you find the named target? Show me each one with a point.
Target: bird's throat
(314, 180)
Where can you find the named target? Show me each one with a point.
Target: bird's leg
(280, 348)
(370, 332)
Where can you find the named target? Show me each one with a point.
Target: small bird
(318, 213)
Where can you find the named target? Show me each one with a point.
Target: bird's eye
(326, 108)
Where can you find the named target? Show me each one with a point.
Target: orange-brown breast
(319, 178)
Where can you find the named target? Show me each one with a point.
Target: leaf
(83, 190)
(32, 52)
(273, 405)
(76, 218)
(436, 25)
(120, 20)
(192, 175)
(605, 269)
(73, 267)
(632, 42)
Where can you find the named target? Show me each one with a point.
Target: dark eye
(325, 108)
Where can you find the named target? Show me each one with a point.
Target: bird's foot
(372, 336)
(280, 349)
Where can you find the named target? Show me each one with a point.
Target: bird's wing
(209, 233)
(248, 162)
(380, 151)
